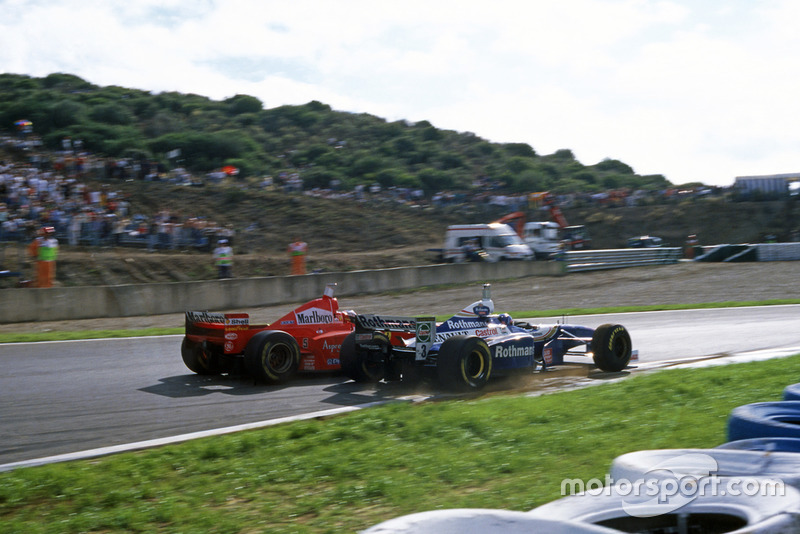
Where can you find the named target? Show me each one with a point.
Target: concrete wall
(63, 303)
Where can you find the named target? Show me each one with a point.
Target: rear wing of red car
(211, 324)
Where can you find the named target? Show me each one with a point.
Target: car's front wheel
(611, 346)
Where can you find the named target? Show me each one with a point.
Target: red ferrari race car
(306, 339)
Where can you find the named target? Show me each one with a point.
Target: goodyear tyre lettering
(613, 336)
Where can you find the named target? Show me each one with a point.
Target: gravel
(681, 283)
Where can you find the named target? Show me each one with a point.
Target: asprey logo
(314, 316)
(332, 348)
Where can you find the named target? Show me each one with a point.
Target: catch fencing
(597, 260)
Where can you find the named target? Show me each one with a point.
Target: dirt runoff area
(682, 283)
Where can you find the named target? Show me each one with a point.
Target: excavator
(547, 237)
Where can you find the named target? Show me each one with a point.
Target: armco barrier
(752, 252)
(595, 260)
(778, 251)
(62, 303)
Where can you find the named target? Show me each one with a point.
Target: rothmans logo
(387, 322)
(314, 316)
(463, 324)
(512, 352)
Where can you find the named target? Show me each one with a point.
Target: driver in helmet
(506, 319)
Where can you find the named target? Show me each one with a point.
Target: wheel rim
(279, 358)
(620, 347)
(203, 358)
(371, 368)
(475, 365)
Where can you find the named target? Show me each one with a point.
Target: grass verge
(348, 472)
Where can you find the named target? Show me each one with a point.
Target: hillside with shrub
(329, 148)
(363, 192)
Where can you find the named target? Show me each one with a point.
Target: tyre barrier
(622, 509)
(764, 444)
(696, 464)
(481, 521)
(779, 419)
(791, 392)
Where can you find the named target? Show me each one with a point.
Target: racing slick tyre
(199, 360)
(611, 346)
(765, 420)
(272, 356)
(362, 365)
(464, 363)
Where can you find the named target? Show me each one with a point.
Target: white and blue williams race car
(474, 345)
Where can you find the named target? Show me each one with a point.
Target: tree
(111, 114)
(613, 165)
(243, 104)
(67, 112)
(522, 150)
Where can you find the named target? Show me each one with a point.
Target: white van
(483, 242)
(543, 237)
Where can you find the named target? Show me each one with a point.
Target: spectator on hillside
(297, 252)
(45, 249)
(223, 259)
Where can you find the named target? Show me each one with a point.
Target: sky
(695, 90)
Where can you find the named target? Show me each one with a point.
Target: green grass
(26, 337)
(348, 472)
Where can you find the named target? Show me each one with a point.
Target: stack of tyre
(750, 484)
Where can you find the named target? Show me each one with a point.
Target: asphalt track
(58, 398)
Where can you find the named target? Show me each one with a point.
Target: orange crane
(575, 237)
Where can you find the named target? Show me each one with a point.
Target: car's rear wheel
(464, 363)
(364, 365)
(272, 356)
(198, 359)
(611, 346)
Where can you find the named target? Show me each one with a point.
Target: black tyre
(361, 365)
(611, 345)
(464, 363)
(198, 360)
(272, 356)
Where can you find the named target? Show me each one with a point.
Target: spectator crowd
(54, 191)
